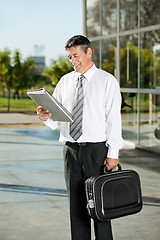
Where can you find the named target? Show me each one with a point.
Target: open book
(43, 98)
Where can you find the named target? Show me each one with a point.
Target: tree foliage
(58, 69)
(17, 74)
(5, 67)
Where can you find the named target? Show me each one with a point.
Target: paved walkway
(33, 197)
(18, 118)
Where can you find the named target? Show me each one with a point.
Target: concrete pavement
(33, 197)
(18, 118)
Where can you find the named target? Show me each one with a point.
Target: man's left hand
(111, 162)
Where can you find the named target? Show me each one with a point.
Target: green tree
(58, 69)
(5, 61)
(146, 68)
(28, 72)
(6, 77)
(25, 75)
(109, 62)
(17, 72)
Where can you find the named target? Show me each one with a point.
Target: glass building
(125, 35)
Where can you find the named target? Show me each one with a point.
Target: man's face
(80, 60)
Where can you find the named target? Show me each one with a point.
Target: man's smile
(75, 66)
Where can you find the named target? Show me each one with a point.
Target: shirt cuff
(50, 123)
(113, 153)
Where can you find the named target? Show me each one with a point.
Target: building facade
(125, 35)
(39, 63)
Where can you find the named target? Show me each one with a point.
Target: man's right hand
(43, 115)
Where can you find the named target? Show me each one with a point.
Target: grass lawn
(17, 105)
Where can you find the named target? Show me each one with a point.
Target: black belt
(77, 143)
(80, 143)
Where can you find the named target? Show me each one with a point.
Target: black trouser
(80, 162)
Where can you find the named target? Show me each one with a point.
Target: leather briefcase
(113, 194)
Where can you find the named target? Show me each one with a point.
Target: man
(93, 141)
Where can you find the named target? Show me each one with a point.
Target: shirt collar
(88, 75)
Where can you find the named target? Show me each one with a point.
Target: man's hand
(111, 162)
(43, 114)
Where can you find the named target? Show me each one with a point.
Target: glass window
(109, 16)
(109, 56)
(150, 59)
(129, 117)
(149, 12)
(93, 18)
(96, 53)
(128, 14)
(129, 61)
(150, 120)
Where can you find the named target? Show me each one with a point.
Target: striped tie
(77, 111)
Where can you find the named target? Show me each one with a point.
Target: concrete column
(84, 17)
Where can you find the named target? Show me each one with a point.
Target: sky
(39, 27)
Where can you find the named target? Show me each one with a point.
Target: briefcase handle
(105, 170)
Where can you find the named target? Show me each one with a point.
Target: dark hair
(79, 40)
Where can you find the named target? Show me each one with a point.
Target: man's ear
(89, 52)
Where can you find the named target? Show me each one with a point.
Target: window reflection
(109, 16)
(109, 56)
(129, 117)
(149, 12)
(129, 61)
(93, 18)
(156, 66)
(149, 119)
(128, 14)
(150, 59)
(96, 56)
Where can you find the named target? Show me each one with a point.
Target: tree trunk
(9, 96)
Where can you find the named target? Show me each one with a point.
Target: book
(43, 98)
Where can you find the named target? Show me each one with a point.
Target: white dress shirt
(101, 109)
